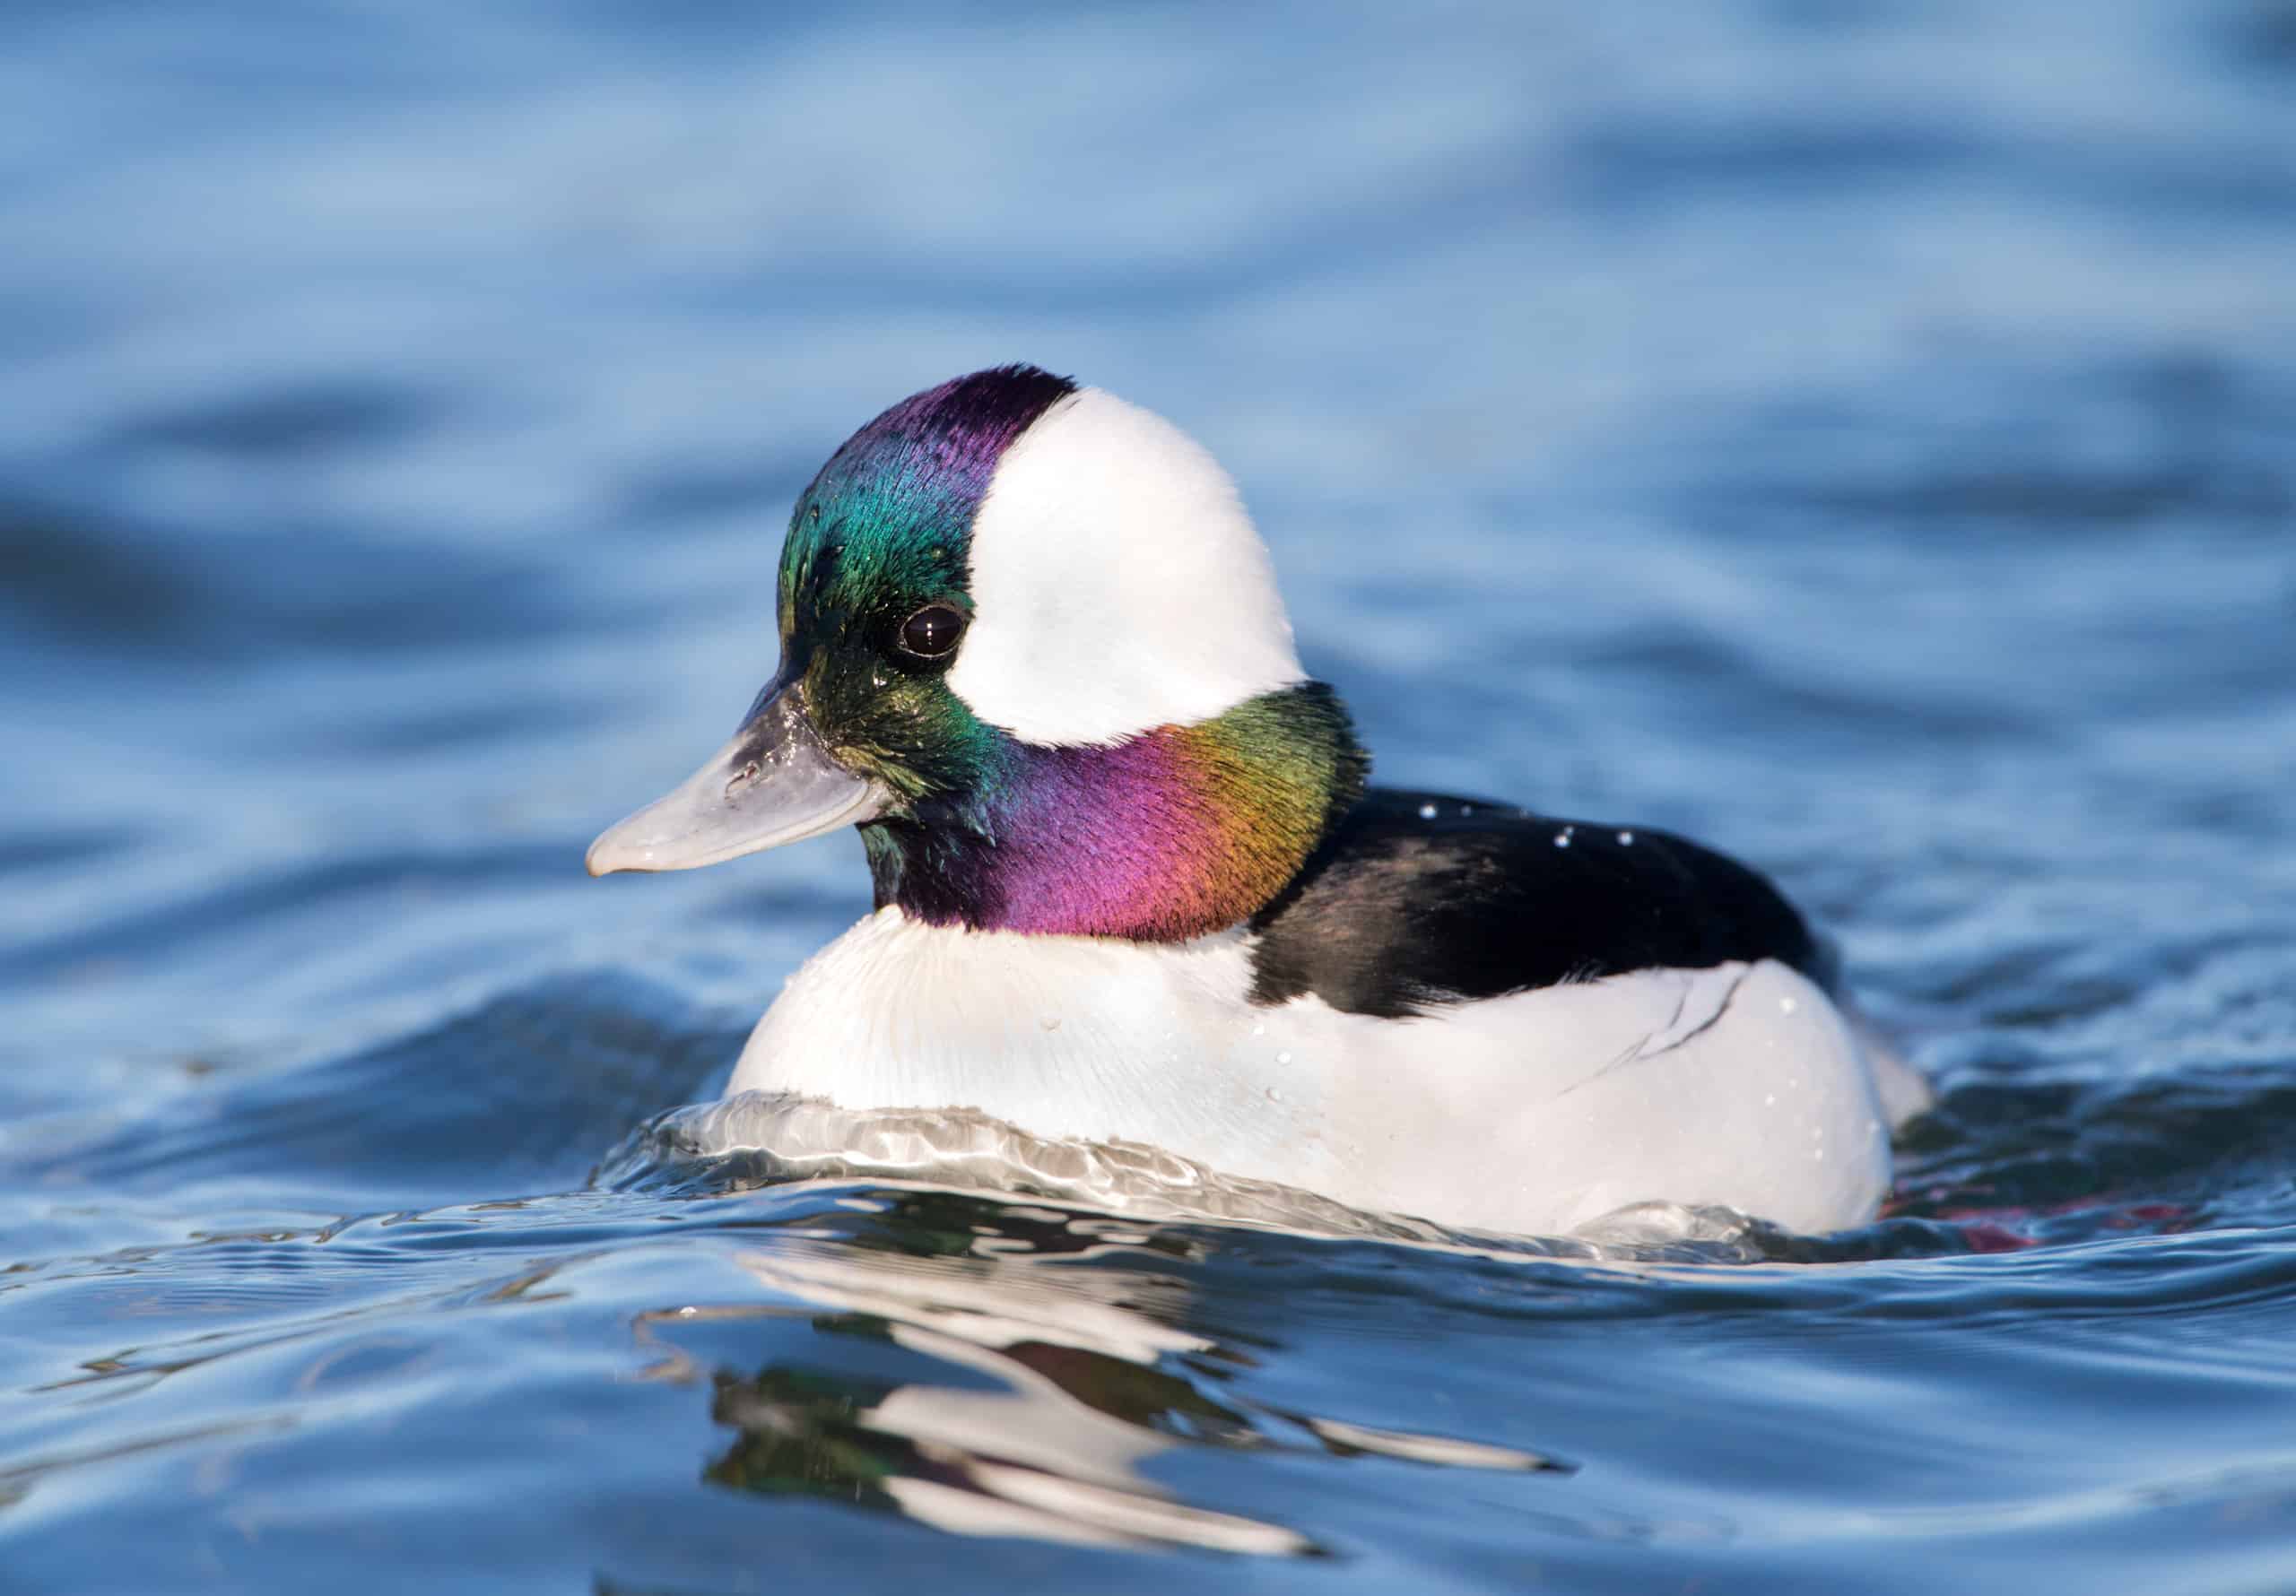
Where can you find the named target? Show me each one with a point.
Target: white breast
(1531, 1114)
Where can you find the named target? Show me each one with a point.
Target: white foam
(804, 1139)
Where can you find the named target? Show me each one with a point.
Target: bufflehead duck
(1131, 884)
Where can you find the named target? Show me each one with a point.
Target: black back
(1416, 901)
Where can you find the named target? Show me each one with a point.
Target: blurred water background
(1860, 435)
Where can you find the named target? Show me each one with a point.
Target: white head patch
(1118, 585)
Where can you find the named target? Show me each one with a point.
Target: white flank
(1533, 1114)
(1117, 584)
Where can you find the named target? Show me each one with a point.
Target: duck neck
(1175, 833)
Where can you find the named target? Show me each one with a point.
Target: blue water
(1856, 434)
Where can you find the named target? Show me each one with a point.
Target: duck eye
(932, 633)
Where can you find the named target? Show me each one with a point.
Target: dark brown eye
(932, 633)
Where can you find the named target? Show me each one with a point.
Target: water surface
(1857, 435)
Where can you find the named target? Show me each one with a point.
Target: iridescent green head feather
(1035, 624)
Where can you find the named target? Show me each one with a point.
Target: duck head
(1031, 645)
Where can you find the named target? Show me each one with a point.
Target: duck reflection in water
(1085, 1373)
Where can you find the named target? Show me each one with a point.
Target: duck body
(1131, 885)
(1558, 1087)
